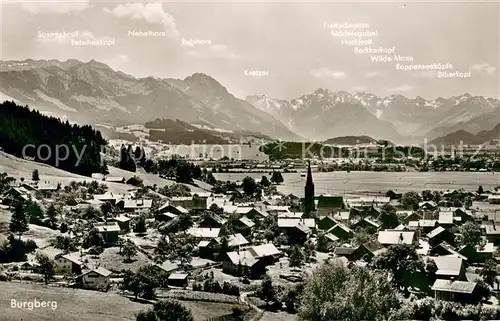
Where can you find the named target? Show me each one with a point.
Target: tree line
(20, 126)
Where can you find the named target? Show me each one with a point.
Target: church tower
(309, 192)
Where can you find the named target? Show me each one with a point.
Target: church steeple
(309, 191)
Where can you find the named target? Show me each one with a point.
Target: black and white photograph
(230, 160)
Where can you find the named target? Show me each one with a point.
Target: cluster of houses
(336, 218)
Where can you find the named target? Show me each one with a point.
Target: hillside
(27, 133)
(179, 132)
(22, 168)
(84, 305)
(350, 140)
(467, 138)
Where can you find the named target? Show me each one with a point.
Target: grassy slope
(18, 167)
(84, 305)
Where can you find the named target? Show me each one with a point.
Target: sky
(283, 49)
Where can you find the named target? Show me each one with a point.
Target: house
(123, 222)
(344, 251)
(423, 225)
(388, 238)
(290, 214)
(169, 208)
(287, 223)
(67, 264)
(18, 194)
(276, 209)
(212, 221)
(234, 241)
(494, 199)
(241, 263)
(165, 217)
(449, 267)
(440, 234)
(96, 279)
(326, 223)
(331, 240)
(328, 205)
(341, 231)
(252, 213)
(195, 202)
(367, 251)
(109, 197)
(367, 223)
(445, 219)
(428, 205)
(137, 206)
(245, 223)
(477, 254)
(460, 214)
(110, 232)
(267, 252)
(454, 290)
(166, 267)
(493, 234)
(445, 249)
(393, 195)
(343, 216)
(178, 280)
(298, 234)
(115, 179)
(409, 216)
(201, 233)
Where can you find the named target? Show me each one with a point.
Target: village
(243, 242)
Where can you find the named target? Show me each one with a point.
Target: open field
(374, 182)
(18, 167)
(83, 305)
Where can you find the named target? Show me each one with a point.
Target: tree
(34, 212)
(45, 266)
(106, 208)
(489, 271)
(18, 221)
(480, 190)
(322, 244)
(267, 291)
(166, 310)
(411, 200)
(249, 186)
(389, 218)
(264, 181)
(427, 195)
(128, 250)
(404, 263)
(140, 225)
(52, 214)
(277, 178)
(104, 169)
(470, 234)
(5, 181)
(93, 238)
(210, 179)
(335, 292)
(35, 177)
(296, 256)
(65, 243)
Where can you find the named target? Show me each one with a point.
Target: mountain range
(324, 114)
(93, 92)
